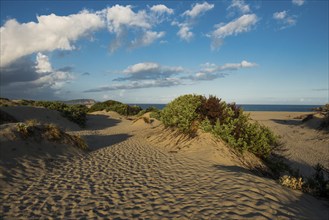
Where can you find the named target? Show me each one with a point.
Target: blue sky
(249, 52)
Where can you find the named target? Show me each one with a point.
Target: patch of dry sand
(128, 177)
(306, 145)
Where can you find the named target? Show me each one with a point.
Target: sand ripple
(133, 179)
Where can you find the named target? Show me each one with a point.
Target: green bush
(110, 105)
(182, 112)
(149, 109)
(225, 121)
(156, 114)
(75, 113)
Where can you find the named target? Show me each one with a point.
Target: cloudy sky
(250, 52)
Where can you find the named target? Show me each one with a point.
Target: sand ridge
(127, 177)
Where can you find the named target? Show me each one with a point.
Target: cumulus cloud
(147, 38)
(168, 82)
(284, 20)
(184, 32)
(239, 5)
(280, 15)
(298, 2)
(119, 16)
(198, 9)
(185, 27)
(152, 75)
(161, 9)
(149, 71)
(145, 75)
(212, 71)
(25, 76)
(235, 27)
(122, 19)
(49, 33)
(53, 32)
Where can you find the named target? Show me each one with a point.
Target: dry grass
(292, 182)
(50, 132)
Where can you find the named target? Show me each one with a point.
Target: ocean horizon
(253, 107)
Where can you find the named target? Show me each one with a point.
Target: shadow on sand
(96, 142)
(99, 122)
(287, 122)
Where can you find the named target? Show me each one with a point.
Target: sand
(129, 176)
(305, 144)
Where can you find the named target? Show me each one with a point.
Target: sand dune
(128, 177)
(306, 145)
(23, 113)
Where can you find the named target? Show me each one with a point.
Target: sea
(276, 108)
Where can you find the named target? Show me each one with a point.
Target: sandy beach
(127, 175)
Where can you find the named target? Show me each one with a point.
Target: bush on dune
(182, 113)
(110, 105)
(225, 121)
(75, 113)
(50, 132)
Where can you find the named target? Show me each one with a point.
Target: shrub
(156, 114)
(52, 132)
(149, 109)
(75, 113)
(225, 121)
(118, 107)
(24, 130)
(292, 182)
(182, 112)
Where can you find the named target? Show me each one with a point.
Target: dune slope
(127, 177)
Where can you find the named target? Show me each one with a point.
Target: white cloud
(148, 38)
(185, 32)
(122, 19)
(284, 19)
(298, 2)
(161, 9)
(185, 27)
(240, 5)
(42, 64)
(236, 66)
(119, 17)
(239, 25)
(149, 70)
(198, 9)
(141, 67)
(54, 79)
(168, 82)
(210, 71)
(49, 33)
(280, 15)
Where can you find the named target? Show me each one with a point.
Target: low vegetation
(188, 113)
(228, 122)
(75, 113)
(110, 105)
(50, 132)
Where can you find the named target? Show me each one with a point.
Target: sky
(248, 52)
